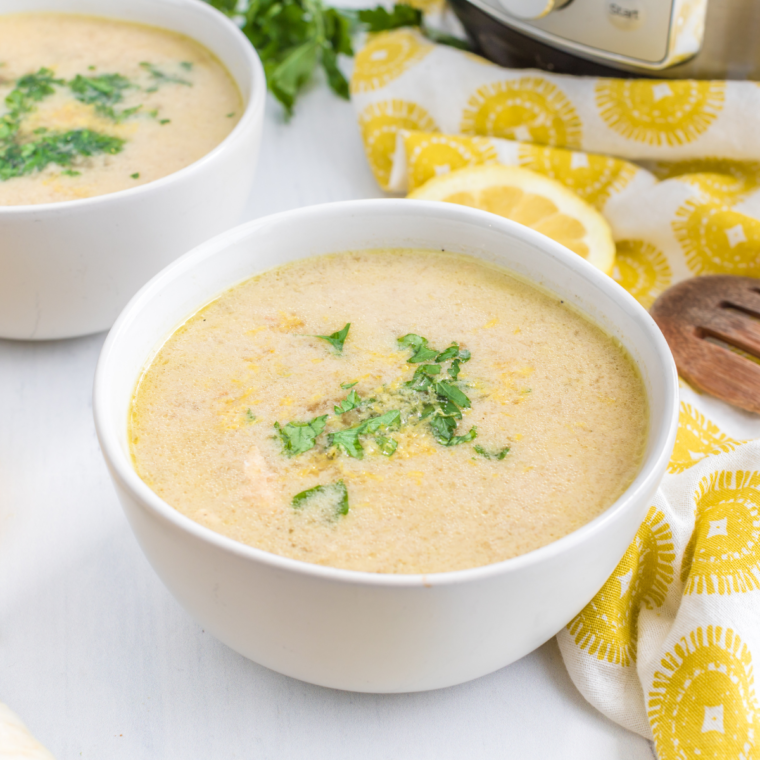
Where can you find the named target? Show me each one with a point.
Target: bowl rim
(253, 113)
(662, 431)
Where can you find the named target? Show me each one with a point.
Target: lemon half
(528, 198)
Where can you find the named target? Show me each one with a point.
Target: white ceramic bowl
(69, 268)
(355, 630)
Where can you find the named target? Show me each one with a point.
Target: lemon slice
(529, 198)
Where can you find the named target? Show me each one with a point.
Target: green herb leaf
(443, 428)
(410, 340)
(338, 32)
(103, 92)
(453, 393)
(352, 401)
(285, 78)
(337, 339)
(348, 440)
(18, 159)
(471, 435)
(335, 78)
(450, 353)
(161, 77)
(422, 352)
(335, 493)
(373, 424)
(380, 20)
(421, 379)
(346, 386)
(498, 455)
(387, 446)
(449, 409)
(36, 86)
(299, 437)
(250, 416)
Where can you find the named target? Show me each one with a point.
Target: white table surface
(101, 662)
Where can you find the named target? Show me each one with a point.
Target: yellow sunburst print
(717, 240)
(429, 155)
(529, 109)
(697, 438)
(385, 57)
(595, 178)
(719, 178)
(658, 112)
(723, 554)
(642, 270)
(608, 626)
(702, 703)
(379, 124)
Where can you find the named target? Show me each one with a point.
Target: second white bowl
(69, 268)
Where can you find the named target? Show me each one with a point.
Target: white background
(101, 662)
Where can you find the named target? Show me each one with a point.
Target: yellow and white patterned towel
(669, 645)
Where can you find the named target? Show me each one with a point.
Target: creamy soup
(399, 411)
(90, 106)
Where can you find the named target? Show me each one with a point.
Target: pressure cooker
(703, 39)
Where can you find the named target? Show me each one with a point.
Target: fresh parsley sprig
(295, 37)
(443, 415)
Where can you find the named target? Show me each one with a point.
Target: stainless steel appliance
(705, 39)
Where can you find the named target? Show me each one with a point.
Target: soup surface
(90, 105)
(449, 416)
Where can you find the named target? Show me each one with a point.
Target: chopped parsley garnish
(352, 401)
(164, 121)
(161, 77)
(427, 397)
(70, 173)
(498, 455)
(422, 353)
(20, 156)
(186, 65)
(250, 416)
(443, 415)
(298, 437)
(136, 175)
(452, 393)
(337, 339)
(387, 445)
(103, 92)
(348, 440)
(335, 494)
(17, 159)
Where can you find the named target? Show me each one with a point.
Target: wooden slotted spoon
(712, 325)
